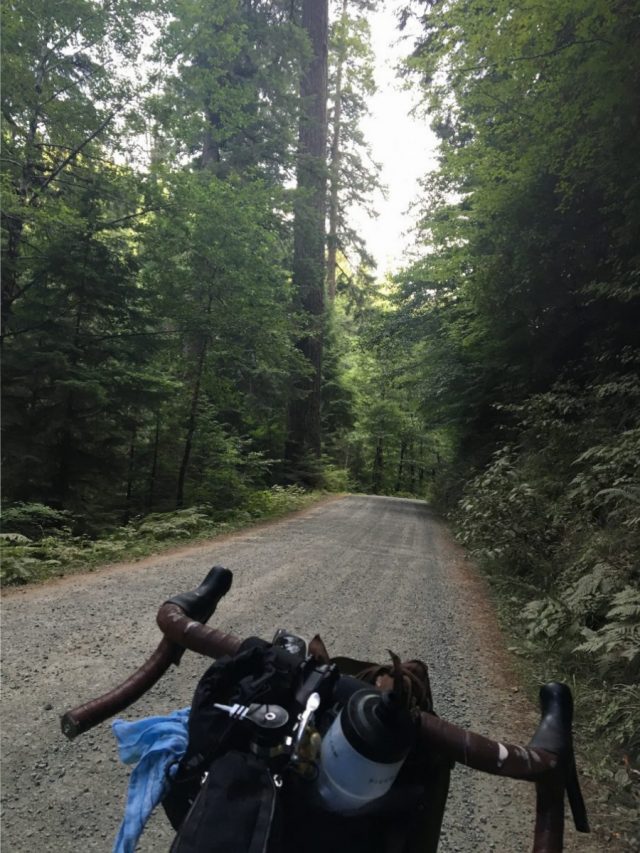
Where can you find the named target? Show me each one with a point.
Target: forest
(193, 330)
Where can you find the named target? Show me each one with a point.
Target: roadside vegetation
(41, 543)
(524, 312)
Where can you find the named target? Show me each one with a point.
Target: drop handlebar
(548, 760)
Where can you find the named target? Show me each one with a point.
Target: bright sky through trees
(404, 145)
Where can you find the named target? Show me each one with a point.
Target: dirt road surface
(367, 573)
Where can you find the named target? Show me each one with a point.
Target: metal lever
(313, 703)
(265, 716)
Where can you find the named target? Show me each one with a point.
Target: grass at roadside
(52, 551)
(614, 796)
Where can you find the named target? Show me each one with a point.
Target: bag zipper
(273, 809)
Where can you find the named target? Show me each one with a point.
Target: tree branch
(531, 56)
(70, 157)
(102, 225)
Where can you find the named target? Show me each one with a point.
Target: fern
(25, 560)
(546, 619)
(35, 520)
(626, 605)
(618, 641)
(595, 584)
(618, 715)
(182, 523)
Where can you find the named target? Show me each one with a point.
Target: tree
(304, 429)
(78, 372)
(215, 255)
(531, 268)
(165, 387)
(352, 173)
(524, 309)
(76, 328)
(63, 92)
(237, 65)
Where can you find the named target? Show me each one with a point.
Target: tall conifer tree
(304, 433)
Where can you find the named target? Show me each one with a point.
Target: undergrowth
(38, 542)
(605, 717)
(554, 520)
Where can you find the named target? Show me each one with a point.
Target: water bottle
(363, 750)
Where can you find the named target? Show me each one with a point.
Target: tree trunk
(210, 147)
(191, 426)
(66, 449)
(334, 175)
(10, 288)
(132, 456)
(412, 471)
(304, 431)
(403, 447)
(378, 467)
(193, 413)
(62, 480)
(154, 465)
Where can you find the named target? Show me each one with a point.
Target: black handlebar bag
(234, 811)
(259, 673)
(224, 799)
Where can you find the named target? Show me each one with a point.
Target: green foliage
(522, 317)
(20, 563)
(336, 479)
(505, 519)
(147, 322)
(173, 525)
(616, 646)
(275, 501)
(34, 520)
(352, 174)
(558, 511)
(14, 538)
(236, 66)
(619, 715)
(387, 447)
(59, 553)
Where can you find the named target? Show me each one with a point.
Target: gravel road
(367, 573)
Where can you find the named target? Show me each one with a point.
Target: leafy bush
(22, 560)
(274, 501)
(34, 520)
(14, 539)
(616, 646)
(505, 518)
(335, 479)
(619, 714)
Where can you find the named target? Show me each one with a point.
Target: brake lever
(313, 703)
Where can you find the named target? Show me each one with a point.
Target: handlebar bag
(235, 810)
(259, 673)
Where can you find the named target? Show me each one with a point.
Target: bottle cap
(377, 726)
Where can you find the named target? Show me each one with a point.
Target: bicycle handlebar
(548, 760)
(202, 602)
(182, 632)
